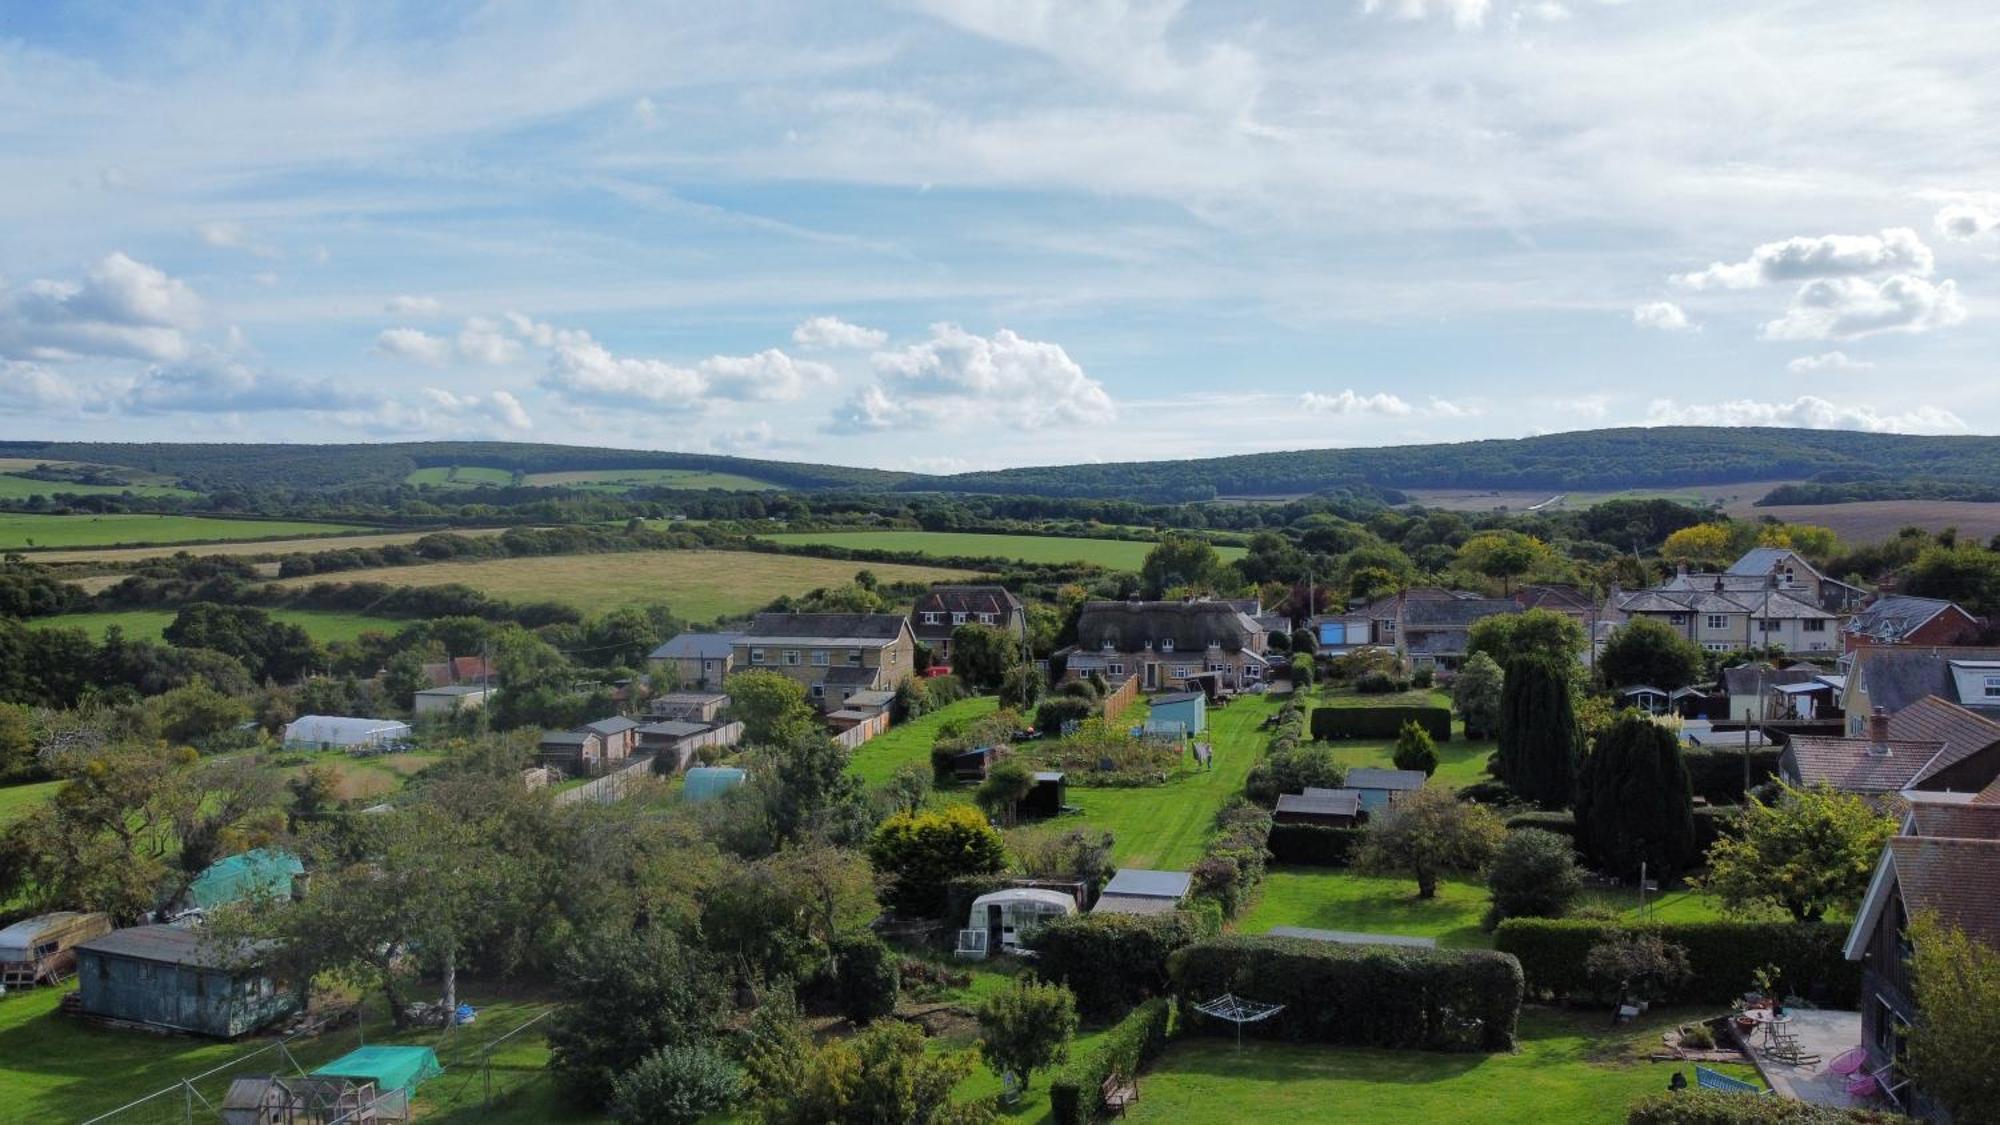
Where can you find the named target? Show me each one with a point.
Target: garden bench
(1118, 1093)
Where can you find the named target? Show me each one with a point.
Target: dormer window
(933, 618)
(1107, 645)
(1167, 645)
(958, 619)
(986, 619)
(1991, 688)
(1149, 644)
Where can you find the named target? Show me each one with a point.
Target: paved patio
(1823, 1033)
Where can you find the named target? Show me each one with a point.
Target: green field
(878, 759)
(323, 624)
(459, 476)
(1115, 554)
(17, 800)
(698, 585)
(21, 530)
(620, 480)
(1569, 1069)
(14, 487)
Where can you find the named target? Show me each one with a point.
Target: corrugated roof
(1109, 903)
(1149, 884)
(342, 730)
(1321, 802)
(1368, 777)
(171, 945)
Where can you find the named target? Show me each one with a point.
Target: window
(1184, 671)
(986, 619)
(1992, 687)
(1769, 626)
(1814, 625)
(756, 656)
(892, 657)
(1387, 628)
(821, 658)
(1717, 621)
(791, 656)
(708, 665)
(854, 658)
(1114, 669)
(1106, 646)
(933, 618)
(46, 949)
(958, 619)
(1167, 645)
(1677, 619)
(819, 691)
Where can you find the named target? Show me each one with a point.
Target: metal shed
(1138, 891)
(42, 949)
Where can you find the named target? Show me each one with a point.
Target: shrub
(1414, 750)
(1700, 1036)
(1378, 682)
(1053, 713)
(675, 1086)
(1475, 693)
(1633, 805)
(1637, 964)
(1714, 1107)
(1389, 996)
(1291, 770)
(1424, 677)
(627, 996)
(1233, 863)
(1314, 845)
(1130, 1044)
(1534, 875)
(868, 979)
(1111, 961)
(918, 853)
(1716, 772)
(1301, 669)
(1333, 723)
(1561, 823)
(1724, 956)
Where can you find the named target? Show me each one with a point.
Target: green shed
(262, 872)
(169, 977)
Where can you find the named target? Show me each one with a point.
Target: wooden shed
(1047, 798)
(168, 977)
(42, 950)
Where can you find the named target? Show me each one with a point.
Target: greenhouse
(338, 732)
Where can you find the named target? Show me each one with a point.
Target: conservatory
(999, 920)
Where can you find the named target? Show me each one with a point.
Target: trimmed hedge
(1314, 845)
(1713, 1107)
(1111, 961)
(1359, 995)
(1716, 772)
(1132, 1043)
(1332, 723)
(1723, 955)
(1561, 823)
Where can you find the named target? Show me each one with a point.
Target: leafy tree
(271, 649)
(1026, 1028)
(772, 707)
(1303, 642)
(675, 1085)
(1646, 650)
(908, 788)
(403, 677)
(1534, 875)
(314, 793)
(918, 853)
(1968, 575)
(800, 789)
(1954, 1048)
(1538, 736)
(1814, 542)
(1475, 695)
(882, 1074)
(1702, 545)
(1638, 966)
(1502, 555)
(18, 761)
(1179, 561)
(196, 712)
(1292, 770)
(1021, 687)
(1543, 633)
(626, 996)
(1810, 851)
(1075, 854)
(1635, 803)
(981, 655)
(1427, 835)
(1006, 785)
(1414, 750)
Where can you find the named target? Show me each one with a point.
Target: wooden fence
(611, 786)
(1122, 695)
(862, 731)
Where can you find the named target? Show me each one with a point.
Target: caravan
(999, 920)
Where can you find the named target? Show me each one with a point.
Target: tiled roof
(1453, 613)
(1896, 677)
(1892, 617)
(672, 728)
(1953, 879)
(861, 629)
(1562, 599)
(1965, 822)
(1191, 626)
(696, 646)
(1961, 733)
(1854, 765)
(1742, 679)
(1760, 561)
(850, 675)
(616, 724)
(997, 600)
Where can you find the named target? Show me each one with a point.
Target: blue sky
(955, 234)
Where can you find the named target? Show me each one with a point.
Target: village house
(833, 655)
(1931, 746)
(1437, 632)
(941, 609)
(1788, 571)
(1892, 677)
(1899, 619)
(1726, 618)
(461, 670)
(1944, 863)
(700, 661)
(1166, 643)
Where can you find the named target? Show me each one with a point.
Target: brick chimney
(1878, 732)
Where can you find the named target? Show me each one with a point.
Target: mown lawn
(1459, 762)
(322, 624)
(1327, 898)
(19, 530)
(878, 759)
(53, 1068)
(1116, 554)
(1570, 1069)
(698, 585)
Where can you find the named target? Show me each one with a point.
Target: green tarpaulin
(260, 872)
(390, 1068)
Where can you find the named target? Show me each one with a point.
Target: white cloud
(1663, 315)
(409, 305)
(1805, 412)
(1348, 402)
(1587, 406)
(1463, 13)
(1896, 250)
(232, 236)
(122, 308)
(768, 376)
(1849, 308)
(1963, 222)
(645, 112)
(1445, 408)
(213, 383)
(828, 332)
(414, 343)
(29, 388)
(585, 371)
(500, 408)
(1827, 361)
(484, 341)
(957, 376)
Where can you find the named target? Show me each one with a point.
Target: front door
(1152, 676)
(995, 927)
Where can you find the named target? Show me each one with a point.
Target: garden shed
(260, 873)
(1188, 708)
(42, 949)
(339, 732)
(1048, 796)
(1379, 787)
(271, 1099)
(1328, 808)
(1137, 891)
(168, 977)
(704, 783)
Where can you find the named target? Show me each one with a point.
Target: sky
(947, 235)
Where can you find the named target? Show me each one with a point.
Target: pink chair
(1862, 1086)
(1848, 1061)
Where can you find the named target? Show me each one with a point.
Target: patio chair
(1848, 1061)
